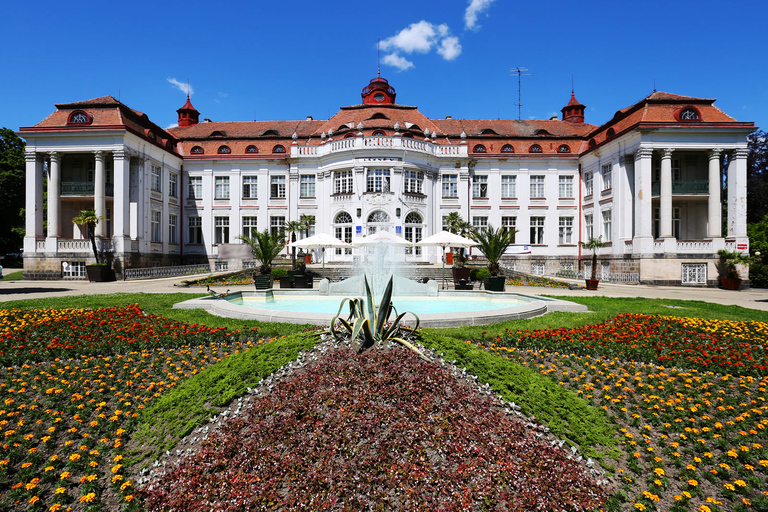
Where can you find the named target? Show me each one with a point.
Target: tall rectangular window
(537, 230)
(195, 187)
(276, 225)
(607, 179)
(342, 182)
(412, 181)
(155, 220)
(446, 225)
(195, 233)
(250, 187)
(479, 186)
(343, 233)
(378, 180)
(277, 187)
(307, 185)
(221, 188)
(250, 226)
(607, 225)
(221, 230)
(537, 187)
(565, 187)
(173, 185)
(565, 231)
(479, 222)
(156, 179)
(509, 223)
(508, 187)
(588, 183)
(173, 233)
(450, 185)
(588, 226)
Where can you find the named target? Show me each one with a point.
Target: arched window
(564, 148)
(278, 149)
(592, 143)
(413, 218)
(197, 150)
(488, 131)
(349, 135)
(534, 149)
(273, 133)
(611, 133)
(507, 148)
(542, 132)
(413, 231)
(251, 149)
(342, 228)
(689, 114)
(378, 217)
(379, 133)
(479, 149)
(224, 150)
(343, 218)
(378, 115)
(79, 117)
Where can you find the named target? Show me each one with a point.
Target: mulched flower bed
(382, 429)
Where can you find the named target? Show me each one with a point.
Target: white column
(121, 224)
(643, 237)
(665, 195)
(54, 199)
(34, 201)
(737, 194)
(98, 194)
(714, 225)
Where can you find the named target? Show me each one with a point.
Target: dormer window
(379, 133)
(610, 134)
(507, 148)
(534, 149)
(592, 143)
(379, 96)
(79, 117)
(689, 114)
(564, 148)
(224, 150)
(251, 149)
(197, 150)
(479, 149)
(278, 149)
(488, 131)
(273, 133)
(218, 133)
(542, 132)
(378, 115)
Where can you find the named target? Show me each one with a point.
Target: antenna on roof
(378, 57)
(654, 85)
(118, 95)
(520, 72)
(573, 89)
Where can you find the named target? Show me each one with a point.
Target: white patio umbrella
(321, 241)
(445, 239)
(381, 237)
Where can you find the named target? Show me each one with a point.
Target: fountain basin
(447, 309)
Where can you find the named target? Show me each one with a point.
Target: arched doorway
(342, 229)
(378, 221)
(414, 229)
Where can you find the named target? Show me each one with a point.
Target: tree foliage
(758, 242)
(757, 176)
(266, 247)
(12, 167)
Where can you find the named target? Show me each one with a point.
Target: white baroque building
(648, 181)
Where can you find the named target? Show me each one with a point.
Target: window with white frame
(73, 269)
(308, 225)
(450, 185)
(412, 181)
(508, 186)
(509, 223)
(694, 273)
(250, 187)
(221, 187)
(479, 222)
(250, 226)
(479, 186)
(156, 178)
(537, 230)
(588, 226)
(588, 183)
(565, 187)
(377, 180)
(538, 268)
(342, 182)
(446, 225)
(565, 232)
(173, 185)
(195, 187)
(277, 225)
(221, 230)
(277, 187)
(537, 187)
(307, 185)
(195, 230)
(413, 232)
(607, 214)
(607, 179)
(173, 229)
(155, 219)
(343, 230)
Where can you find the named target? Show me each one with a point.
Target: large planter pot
(460, 273)
(449, 258)
(99, 273)
(592, 283)
(730, 283)
(495, 283)
(307, 259)
(286, 282)
(262, 282)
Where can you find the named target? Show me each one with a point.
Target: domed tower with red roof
(188, 115)
(573, 112)
(378, 92)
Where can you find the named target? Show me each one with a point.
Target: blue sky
(287, 60)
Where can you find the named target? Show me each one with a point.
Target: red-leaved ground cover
(381, 430)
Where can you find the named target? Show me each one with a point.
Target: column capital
(667, 152)
(99, 154)
(741, 153)
(30, 156)
(641, 153)
(120, 154)
(54, 156)
(715, 153)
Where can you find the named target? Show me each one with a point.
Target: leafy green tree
(758, 243)
(307, 221)
(757, 176)
(266, 247)
(88, 219)
(12, 169)
(293, 227)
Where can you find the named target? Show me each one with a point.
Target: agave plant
(369, 322)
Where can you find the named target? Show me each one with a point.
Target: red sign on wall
(741, 246)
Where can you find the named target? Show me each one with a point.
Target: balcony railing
(84, 188)
(403, 143)
(684, 187)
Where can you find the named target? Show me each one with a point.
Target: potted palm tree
(457, 225)
(492, 243)
(594, 244)
(729, 271)
(99, 271)
(293, 227)
(265, 247)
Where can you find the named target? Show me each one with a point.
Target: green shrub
(479, 274)
(278, 272)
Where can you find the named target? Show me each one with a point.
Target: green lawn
(13, 276)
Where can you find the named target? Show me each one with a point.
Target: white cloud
(449, 48)
(474, 8)
(397, 61)
(185, 88)
(220, 96)
(174, 125)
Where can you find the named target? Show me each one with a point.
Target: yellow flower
(33, 500)
(692, 482)
(54, 507)
(60, 490)
(88, 497)
(639, 506)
